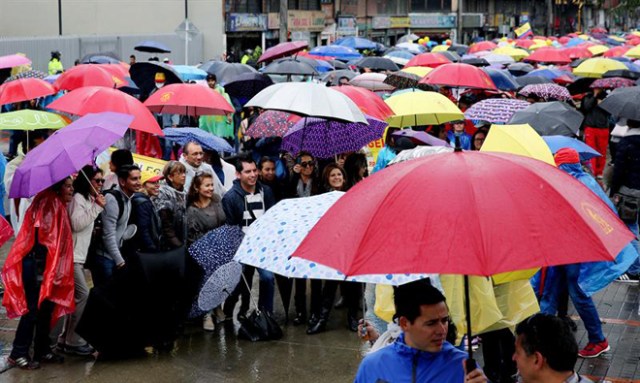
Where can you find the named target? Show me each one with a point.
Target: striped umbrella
(495, 110)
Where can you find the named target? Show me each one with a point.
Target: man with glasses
(193, 159)
(546, 351)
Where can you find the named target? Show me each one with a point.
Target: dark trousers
(322, 297)
(102, 270)
(38, 319)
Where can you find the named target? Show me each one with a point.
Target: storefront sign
(347, 26)
(400, 22)
(310, 21)
(381, 22)
(432, 20)
(241, 22)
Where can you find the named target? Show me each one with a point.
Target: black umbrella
(101, 58)
(152, 47)
(529, 80)
(623, 103)
(577, 62)
(476, 61)
(377, 63)
(335, 76)
(338, 64)
(290, 67)
(520, 69)
(458, 48)
(454, 57)
(554, 118)
(144, 74)
(248, 84)
(624, 73)
(226, 72)
(580, 85)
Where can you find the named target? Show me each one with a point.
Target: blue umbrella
(356, 43)
(206, 139)
(556, 143)
(402, 54)
(573, 42)
(337, 51)
(323, 66)
(152, 47)
(187, 72)
(549, 73)
(502, 78)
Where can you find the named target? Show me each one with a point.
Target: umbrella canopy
(29, 74)
(377, 63)
(616, 51)
(532, 201)
(206, 139)
(247, 85)
(556, 143)
(421, 108)
(412, 47)
(547, 92)
(367, 101)
(515, 53)
(623, 103)
(356, 43)
(458, 48)
(337, 64)
(612, 83)
(27, 119)
(226, 72)
(451, 55)
(337, 51)
(408, 38)
(517, 139)
(475, 61)
(431, 60)
(11, 61)
(417, 70)
(518, 69)
(88, 75)
(596, 67)
(459, 75)
(189, 73)
(531, 80)
(550, 55)
(272, 123)
(633, 52)
(325, 138)
(578, 52)
(282, 50)
(550, 118)
(502, 79)
(498, 59)
(100, 58)
(144, 75)
(334, 76)
(308, 99)
(625, 73)
(24, 89)
(188, 99)
(371, 81)
(67, 151)
(290, 66)
(495, 110)
(420, 137)
(152, 47)
(403, 80)
(482, 46)
(96, 99)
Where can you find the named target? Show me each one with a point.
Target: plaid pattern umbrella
(27, 74)
(547, 91)
(612, 83)
(495, 110)
(272, 123)
(326, 138)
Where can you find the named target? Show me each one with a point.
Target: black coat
(144, 216)
(626, 169)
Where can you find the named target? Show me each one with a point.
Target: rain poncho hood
(594, 276)
(396, 363)
(49, 214)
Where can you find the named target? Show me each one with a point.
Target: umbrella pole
(89, 181)
(470, 362)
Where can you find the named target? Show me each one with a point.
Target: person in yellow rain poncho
(221, 126)
(55, 66)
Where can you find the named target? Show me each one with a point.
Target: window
(431, 6)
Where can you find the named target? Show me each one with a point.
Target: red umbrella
(88, 75)
(459, 75)
(493, 227)
(431, 60)
(282, 50)
(368, 102)
(578, 52)
(96, 99)
(549, 55)
(121, 70)
(11, 61)
(188, 99)
(24, 89)
(521, 43)
(616, 51)
(482, 46)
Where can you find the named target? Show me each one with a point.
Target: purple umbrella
(547, 92)
(421, 137)
(272, 123)
(326, 138)
(67, 151)
(495, 110)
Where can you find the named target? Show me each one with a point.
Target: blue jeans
(102, 270)
(567, 277)
(635, 266)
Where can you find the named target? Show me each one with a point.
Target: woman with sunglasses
(84, 208)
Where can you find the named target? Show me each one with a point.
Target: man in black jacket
(247, 200)
(596, 128)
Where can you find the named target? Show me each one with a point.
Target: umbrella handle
(89, 181)
(249, 289)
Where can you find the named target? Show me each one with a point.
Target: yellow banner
(150, 165)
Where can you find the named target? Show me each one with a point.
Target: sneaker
(628, 278)
(83, 350)
(593, 350)
(219, 315)
(207, 323)
(23, 363)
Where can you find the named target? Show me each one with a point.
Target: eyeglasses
(307, 164)
(98, 180)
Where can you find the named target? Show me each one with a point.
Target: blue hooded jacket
(594, 276)
(399, 363)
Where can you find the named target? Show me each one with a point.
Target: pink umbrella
(11, 61)
(282, 50)
(24, 89)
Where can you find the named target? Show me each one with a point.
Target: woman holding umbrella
(171, 205)
(39, 271)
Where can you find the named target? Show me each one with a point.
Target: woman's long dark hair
(81, 184)
(327, 172)
(352, 165)
(192, 195)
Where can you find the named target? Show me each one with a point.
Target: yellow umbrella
(633, 52)
(584, 37)
(421, 108)
(617, 38)
(537, 46)
(417, 70)
(440, 48)
(597, 50)
(596, 67)
(515, 53)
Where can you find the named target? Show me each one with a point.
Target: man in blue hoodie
(421, 353)
(247, 200)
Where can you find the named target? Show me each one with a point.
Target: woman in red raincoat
(38, 275)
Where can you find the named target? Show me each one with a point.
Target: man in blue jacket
(421, 353)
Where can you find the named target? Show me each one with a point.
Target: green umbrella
(28, 119)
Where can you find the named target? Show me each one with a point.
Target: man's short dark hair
(124, 171)
(264, 160)
(243, 160)
(121, 157)
(212, 76)
(551, 337)
(633, 124)
(409, 297)
(132, 57)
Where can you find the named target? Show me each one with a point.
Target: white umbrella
(372, 81)
(308, 99)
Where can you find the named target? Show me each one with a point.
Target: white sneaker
(207, 323)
